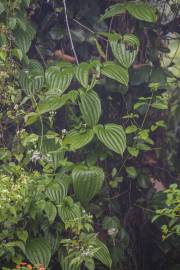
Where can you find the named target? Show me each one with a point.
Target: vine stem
(69, 32)
(41, 121)
(109, 30)
(146, 114)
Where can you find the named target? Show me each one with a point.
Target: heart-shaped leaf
(77, 139)
(112, 136)
(82, 74)
(90, 107)
(142, 11)
(58, 79)
(115, 72)
(38, 251)
(68, 210)
(56, 192)
(87, 182)
(125, 50)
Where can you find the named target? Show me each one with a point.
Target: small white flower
(64, 131)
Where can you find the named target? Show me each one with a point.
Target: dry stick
(69, 32)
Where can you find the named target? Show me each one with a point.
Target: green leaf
(89, 263)
(59, 78)
(77, 139)
(52, 103)
(159, 105)
(111, 222)
(17, 53)
(82, 74)
(112, 136)
(22, 235)
(38, 251)
(114, 10)
(18, 244)
(3, 55)
(90, 107)
(102, 254)
(65, 264)
(87, 182)
(131, 129)
(133, 151)
(69, 211)
(56, 192)
(125, 49)
(50, 211)
(31, 118)
(142, 11)
(131, 171)
(115, 72)
(31, 78)
(139, 10)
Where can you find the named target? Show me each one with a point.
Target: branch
(69, 32)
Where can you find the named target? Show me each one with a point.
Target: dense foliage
(89, 135)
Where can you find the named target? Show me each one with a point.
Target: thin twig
(84, 26)
(69, 33)
(90, 30)
(144, 209)
(146, 114)
(107, 46)
(41, 121)
(40, 55)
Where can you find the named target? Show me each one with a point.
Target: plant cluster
(84, 106)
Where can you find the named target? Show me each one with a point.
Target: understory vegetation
(89, 135)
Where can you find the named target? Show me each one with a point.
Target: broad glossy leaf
(87, 182)
(59, 78)
(142, 11)
(31, 78)
(115, 72)
(82, 74)
(50, 211)
(56, 192)
(125, 50)
(65, 264)
(54, 102)
(139, 10)
(52, 151)
(90, 107)
(69, 211)
(102, 254)
(77, 139)
(38, 251)
(114, 10)
(51, 103)
(112, 136)
(31, 118)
